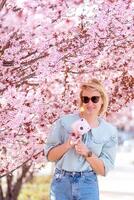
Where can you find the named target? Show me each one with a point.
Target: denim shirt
(102, 141)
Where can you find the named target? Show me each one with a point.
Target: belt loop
(73, 173)
(63, 172)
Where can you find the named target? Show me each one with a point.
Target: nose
(90, 103)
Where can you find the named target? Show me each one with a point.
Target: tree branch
(9, 173)
(34, 60)
(2, 4)
(7, 45)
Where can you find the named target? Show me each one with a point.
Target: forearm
(96, 164)
(57, 152)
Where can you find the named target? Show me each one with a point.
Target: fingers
(74, 138)
(72, 141)
(78, 148)
(81, 149)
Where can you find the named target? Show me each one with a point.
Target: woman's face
(92, 101)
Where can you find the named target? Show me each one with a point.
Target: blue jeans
(74, 186)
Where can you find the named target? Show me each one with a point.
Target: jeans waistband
(64, 172)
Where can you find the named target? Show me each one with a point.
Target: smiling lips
(90, 108)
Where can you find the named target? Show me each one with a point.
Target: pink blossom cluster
(47, 48)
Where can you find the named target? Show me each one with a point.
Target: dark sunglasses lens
(95, 99)
(85, 99)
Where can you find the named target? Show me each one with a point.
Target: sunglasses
(94, 99)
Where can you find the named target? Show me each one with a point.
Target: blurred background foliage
(37, 189)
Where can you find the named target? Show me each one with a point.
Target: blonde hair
(97, 85)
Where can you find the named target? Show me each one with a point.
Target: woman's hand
(81, 149)
(72, 140)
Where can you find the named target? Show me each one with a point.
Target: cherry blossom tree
(47, 49)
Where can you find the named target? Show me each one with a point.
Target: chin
(89, 111)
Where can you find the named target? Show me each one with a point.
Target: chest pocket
(99, 137)
(95, 142)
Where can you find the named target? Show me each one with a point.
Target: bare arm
(57, 152)
(96, 163)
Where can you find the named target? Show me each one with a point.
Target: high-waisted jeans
(74, 185)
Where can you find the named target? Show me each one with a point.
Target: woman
(78, 163)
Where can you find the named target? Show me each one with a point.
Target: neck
(91, 119)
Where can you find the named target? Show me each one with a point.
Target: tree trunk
(1, 192)
(14, 184)
(9, 195)
(18, 185)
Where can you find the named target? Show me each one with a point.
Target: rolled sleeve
(108, 153)
(54, 137)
